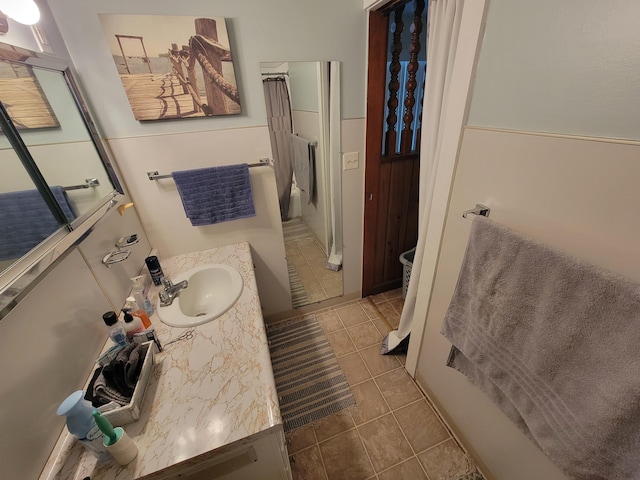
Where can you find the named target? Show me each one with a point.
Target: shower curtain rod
(276, 73)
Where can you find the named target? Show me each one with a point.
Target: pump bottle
(138, 292)
(132, 325)
(134, 309)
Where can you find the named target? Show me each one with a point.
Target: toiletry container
(139, 293)
(116, 440)
(148, 333)
(155, 270)
(117, 333)
(82, 425)
(134, 309)
(132, 325)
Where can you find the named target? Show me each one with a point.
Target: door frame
(376, 81)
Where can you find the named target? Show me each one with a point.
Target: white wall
(562, 67)
(164, 219)
(259, 32)
(303, 78)
(60, 327)
(353, 140)
(314, 214)
(50, 340)
(20, 35)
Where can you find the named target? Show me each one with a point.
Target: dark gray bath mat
(298, 293)
(309, 380)
(472, 476)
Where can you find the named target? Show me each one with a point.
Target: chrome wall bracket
(479, 210)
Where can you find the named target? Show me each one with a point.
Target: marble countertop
(205, 395)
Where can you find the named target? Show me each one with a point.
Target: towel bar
(156, 176)
(479, 210)
(88, 183)
(313, 143)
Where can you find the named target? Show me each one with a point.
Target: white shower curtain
(442, 39)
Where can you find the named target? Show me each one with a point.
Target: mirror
(303, 114)
(55, 172)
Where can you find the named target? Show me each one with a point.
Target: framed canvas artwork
(21, 93)
(173, 66)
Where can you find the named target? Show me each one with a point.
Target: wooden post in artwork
(177, 65)
(215, 98)
(191, 75)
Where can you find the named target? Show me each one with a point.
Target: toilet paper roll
(123, 450)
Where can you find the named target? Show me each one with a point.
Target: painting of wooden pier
(23, 98)
(172, 66)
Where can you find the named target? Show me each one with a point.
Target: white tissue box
(131, 412)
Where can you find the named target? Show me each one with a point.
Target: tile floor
(304, 253)
(392, 432)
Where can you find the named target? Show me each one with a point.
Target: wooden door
(395, 81)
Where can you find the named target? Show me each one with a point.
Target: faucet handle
(166, 282)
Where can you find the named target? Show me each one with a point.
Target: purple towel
(216, 194)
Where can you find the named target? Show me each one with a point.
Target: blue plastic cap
(70, 402)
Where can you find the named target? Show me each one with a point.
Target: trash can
(407, 262)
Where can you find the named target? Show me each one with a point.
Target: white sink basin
(212, 290)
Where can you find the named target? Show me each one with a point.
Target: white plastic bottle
(81, 424)
(139, 293)
(132, 325)
(117, 333)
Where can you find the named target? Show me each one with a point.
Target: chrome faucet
(170, 291)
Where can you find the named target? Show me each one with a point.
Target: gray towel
(118, 379)
(104, 391)
(303, 165)
(555, 343)
(216, 194)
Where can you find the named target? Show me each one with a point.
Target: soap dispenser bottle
(81, 424)
(134, 309)
(132, 325)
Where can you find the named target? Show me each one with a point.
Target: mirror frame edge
(19, 278)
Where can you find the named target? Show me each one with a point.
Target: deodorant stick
(155, 270)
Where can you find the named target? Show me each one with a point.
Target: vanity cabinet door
(265, 458)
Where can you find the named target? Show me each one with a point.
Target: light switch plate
(350, 160)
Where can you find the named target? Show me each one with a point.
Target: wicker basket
(407, 262)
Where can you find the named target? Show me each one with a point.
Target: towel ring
(479, 210)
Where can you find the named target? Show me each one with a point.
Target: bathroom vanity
(211, 408)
